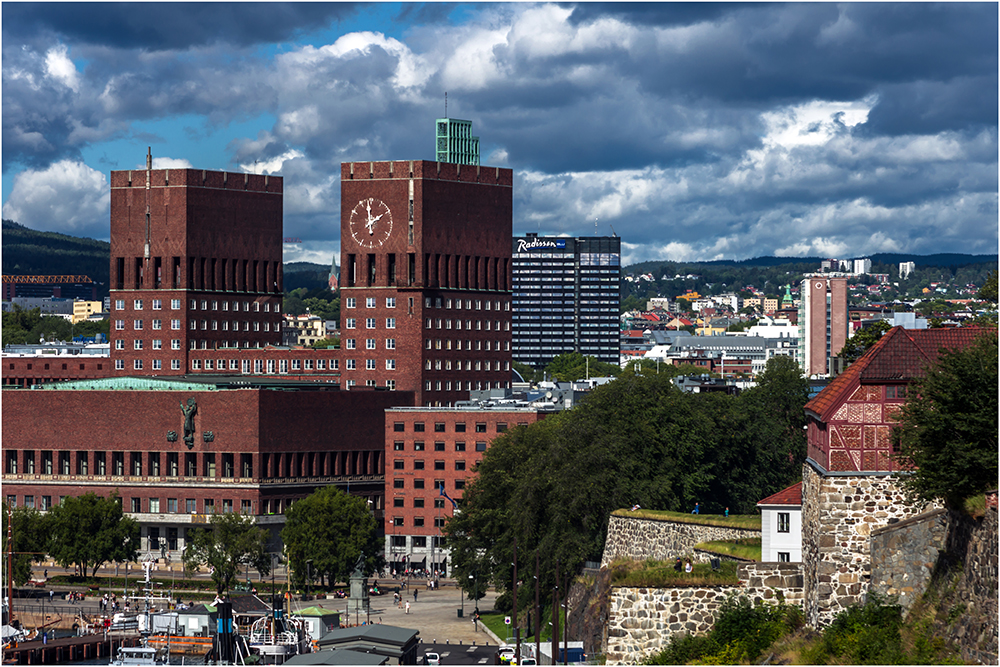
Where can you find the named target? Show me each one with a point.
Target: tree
(90, 530)
(988, 292)
(325, 343)
(862, 341)
(947, 429)
(29, 532)
(527, 372)
(231, 540)
(331, 528)
(572, 366)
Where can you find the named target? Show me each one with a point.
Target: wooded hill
(33, 253)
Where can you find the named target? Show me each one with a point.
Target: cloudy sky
(696, 131)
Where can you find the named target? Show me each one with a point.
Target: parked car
(432, 658)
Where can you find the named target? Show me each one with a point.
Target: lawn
(747, 548)
(661, 574)
(745, 521)
(495, 623)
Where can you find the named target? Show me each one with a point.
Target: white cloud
(272, 166)
(169, 163)
(58, 66)
(67, 197)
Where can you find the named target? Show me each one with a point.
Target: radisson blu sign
(530, 244)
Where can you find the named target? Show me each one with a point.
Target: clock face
(371, 223)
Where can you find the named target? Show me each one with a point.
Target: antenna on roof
(446, 104)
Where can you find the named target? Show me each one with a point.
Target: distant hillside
(34, 253)
(949, 260)
(305, 274)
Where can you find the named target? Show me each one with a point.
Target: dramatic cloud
(67, 197)
(696, 131)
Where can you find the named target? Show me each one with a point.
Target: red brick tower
(195, 264)
(425, 277)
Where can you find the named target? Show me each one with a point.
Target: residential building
(781, 526)
(905, 269)
(770, 305)
(823, 321)
(46, 305)
(425, 278)
(82, 310)
(566, 297)
(305, 329)
(454, 142)
(862, 266)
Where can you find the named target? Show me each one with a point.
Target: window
(370, 344)
(157, 344)
(135, 505)
(398, 521)
(501, 427)
(246, 507)
(157, 365)
(459, 427)
(172, 505)
(784, 522)
(351, 364)
(119, 344)
(480, 427)
(154, 505)
(350, 344)
(398, 484)
(439, 503)
(137, 364)
(438, 446)
(370, 302)
(351, 323)
(175, 364)
(398, 427)
(784, 557)
(209, 506)
(398, 446)
(137, 344)
(137, 325)
(390, 302)
(175, 304)
(369, 364)
(390, 343)
(227, 503)
(459, 446)
(398, 502)
(418, 446)
(418, 484)
(439, 522)
(895, 392)
(351, 302)
(480, 446)
(137, 304)
(418, 521)
(439, 427)
(119, 325)
(418, 464)
(390, 364)
(459, 465)
(390, 323)
(439, 465)
(418, 427)
(398, 464)
(175, 325)
(119, 304)
(370, 323)
(175, 344)
(157, 324)
(418, 502)
(459, 484)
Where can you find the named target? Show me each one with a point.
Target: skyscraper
(566, 297)
(823, 321)
(425, 278)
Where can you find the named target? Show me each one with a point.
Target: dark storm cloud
(655, 13)
(156, 26)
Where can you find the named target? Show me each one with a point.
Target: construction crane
(45, 280)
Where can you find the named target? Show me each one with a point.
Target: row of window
(480, 385)
(439, 447)
(439, 427)
(470, 304)
(418, 464)
(206, 325)
(418, 503)
(418, 521)
(268, 366)
(446, 365)
(352, 323)
(370, 344)
(446, 344)
(135, 464)
(146, 505)
(432, 323)
(206, 304)
(154, 364)
(370, 364)
(352, 302)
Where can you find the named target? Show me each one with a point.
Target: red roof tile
(790, 496)
(899, 355)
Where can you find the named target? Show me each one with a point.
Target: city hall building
(566, 296)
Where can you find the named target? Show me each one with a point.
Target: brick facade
(425, 277)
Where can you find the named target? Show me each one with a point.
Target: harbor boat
(276, 638)
(140, 656)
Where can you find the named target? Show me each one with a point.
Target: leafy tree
(988, 292)
(29, 533)
(325, 343)
(231, 540)
(863, 340)
(527, 372)
(947, 428)
(332, 529)
(90, 530)
(573, 366)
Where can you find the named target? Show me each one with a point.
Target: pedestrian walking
(45, 572)
(51, 595)
(695, 510)
(414, 595)
(727, 511)
(407, 607)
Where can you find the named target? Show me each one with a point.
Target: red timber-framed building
(427, 449)
(848, 483)
(426, 277)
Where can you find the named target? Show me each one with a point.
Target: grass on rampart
(661, 574)
(744, 521)
(748, 548)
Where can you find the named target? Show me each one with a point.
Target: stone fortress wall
(641, 539)
(903, 555)
(643, 620)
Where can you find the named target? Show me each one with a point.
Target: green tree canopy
(988, 291)
(231, 541)
(331, 528)
(573, 366)
(90, 530)
(29, 533)
(948, 426)
(863, 340)
(639, 439)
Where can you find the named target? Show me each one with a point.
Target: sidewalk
(434, 614)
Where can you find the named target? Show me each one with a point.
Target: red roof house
(851, 420)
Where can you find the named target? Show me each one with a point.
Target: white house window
(784, 557)
(784, 522)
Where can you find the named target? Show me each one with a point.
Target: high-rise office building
(425, 278)
(195, 265)
(566, 297)
(823, 321)
(455, 143)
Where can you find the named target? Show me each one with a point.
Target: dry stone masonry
(904, 554)
(643, 620)
(641, 539)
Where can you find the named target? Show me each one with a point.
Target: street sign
(506, 620)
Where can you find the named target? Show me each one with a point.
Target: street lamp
(309, 564)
